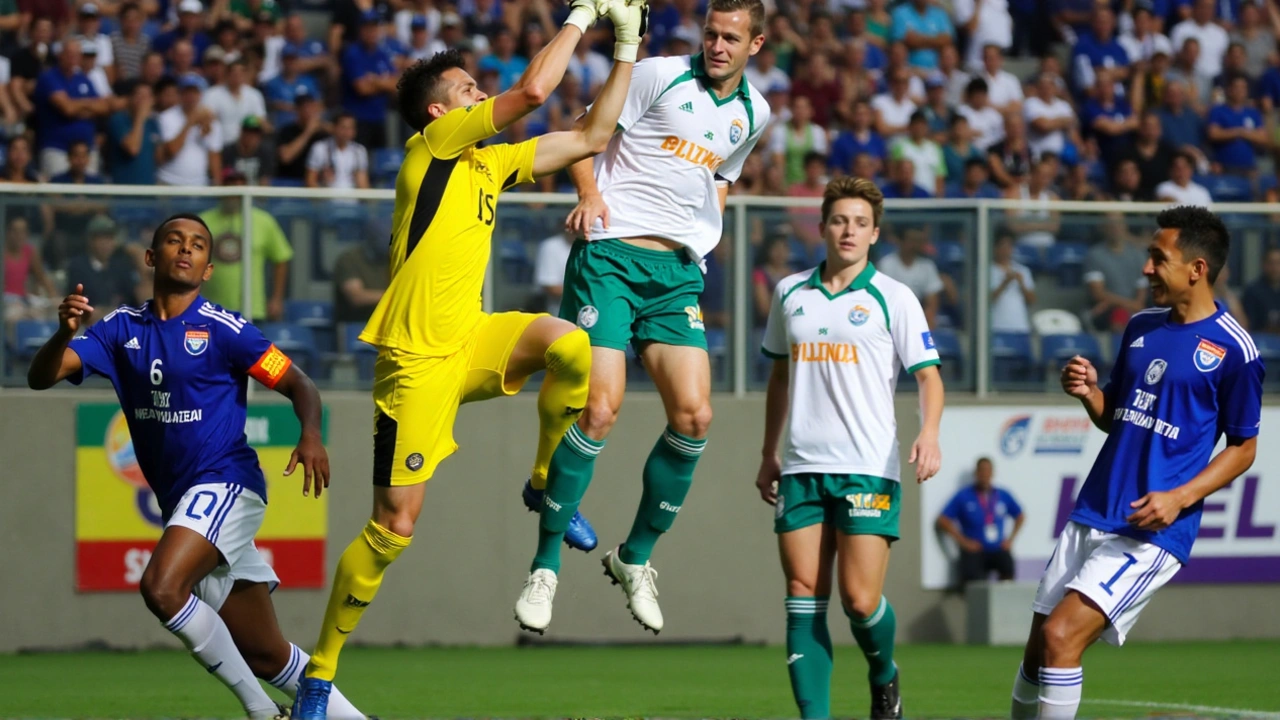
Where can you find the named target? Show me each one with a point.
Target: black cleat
(886, 701)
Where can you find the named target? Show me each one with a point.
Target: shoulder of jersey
(1236, 338)
(1149, 318)
(759, 105)
(786, 284)
(226, 318)
(126, 311)
(888, 286)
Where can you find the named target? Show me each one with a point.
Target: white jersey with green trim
(845, 352)
(678, 139)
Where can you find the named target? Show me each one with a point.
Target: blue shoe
(312, 701)
(579, 536)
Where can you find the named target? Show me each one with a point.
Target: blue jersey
(1175, 389)
(181, 383)
(983, 517)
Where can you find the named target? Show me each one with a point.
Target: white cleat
(533, 608)
(639, 584)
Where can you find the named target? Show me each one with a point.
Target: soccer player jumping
(436, 348)
(839, 336)
(1186, 374)
(180, 366)
(651, 212)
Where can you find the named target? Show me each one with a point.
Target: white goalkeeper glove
(583, 14)
(630, 22)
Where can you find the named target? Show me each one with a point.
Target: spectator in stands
(955, 78)
(985, 22)
(1150, 152)
(1050, 119)
(1099, 48)
(250, 155)
(129, 44)
(270, 249)
(294, 142)
(360, 277)
(234, 101)
(1033, 222)
(1258, 35)
(190, 28)
(590, 69)
(29, 64)
(974, 183)
(879, 22)
(909, 266)
(89, 33)
(1011, 158)
(804, 220)
(1071, 18)
(153, 70)
(1234, 63)
(985, 121)
(1113, 276)
(313, 57)
(861, 137)
(936, 110)
(66, 106)
(1262, 297)
(1004, 90)
(902, 182)
(182, 61)
(1180, 189)
(924, 28)
(924, 154)
(1012, 288)
(893, 109)
(96, 74)
(1180, 124)
(1077, 186)
(18, 169)
(1145, 40)
(1199, 86)
(1212, 38)
(504, 59)
(339, 162)
(773, 265)
(1128, 183)
(369, 79)
(548, 269)
(23, 271)
(421, 43)
(132, 137)
(791, 142)
(960, 149)
(977, 518)
(897, 60)
(11, 121)
(763, 71)
(1223, 291)
(281, 91)
(1235, 128)
(107, 273)
(1109, 118)
(818, 83)
(191, 151)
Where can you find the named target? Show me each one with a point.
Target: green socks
(875, 637)
(567, 480)
(809, 655)
(668, 475)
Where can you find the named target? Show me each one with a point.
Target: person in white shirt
(93, 70)
(839, 336)
(956, 79)
(235, 100)
(1180, 189)
(1213, 39)
(1050, 119)
(1145, 41)
(1004, 90)
(893, 109)
(918, 273)
(191, 140)
(1012, 288)
(88, 29)
(339, 162)
(589, 67)
(985, 121)
(764, 73)
(929, 165)
(548, 269)
(987, 22)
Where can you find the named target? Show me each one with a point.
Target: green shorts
(620, 293)
(853, 504)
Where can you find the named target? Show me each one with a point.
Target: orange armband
(270, 367)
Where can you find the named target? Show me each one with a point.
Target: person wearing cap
(66, 107)
(271, 253)
(235, 100)
(282, 90)
(213, 66)
(250, 155)
(129, 45)
(294, 141)
(132, 137)
(88, 29)
(368, 81)
(447, 195)
(421, 44)
(190, 152)
(190, 27)
(94, 71)
(108, 274)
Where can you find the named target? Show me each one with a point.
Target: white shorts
(229, 516)
(1119, 574)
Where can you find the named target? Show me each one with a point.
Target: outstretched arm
(546, 69)
(55, 361)
(310, 451)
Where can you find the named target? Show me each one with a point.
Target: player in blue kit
(1186, 374)
(181, 366)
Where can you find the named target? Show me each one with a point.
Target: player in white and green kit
(651, 212)
(839, 335)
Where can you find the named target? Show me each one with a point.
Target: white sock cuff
(297, 660)
(807, 605)
(875, 616)
(684, 445)
(1022, 675)
(179, 621)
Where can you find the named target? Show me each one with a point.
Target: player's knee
(163, 595)
(598, 418)
(693, 421)
(860, 604)
(401, 523)
(1059, 641)
(802, 587)
(570, 355)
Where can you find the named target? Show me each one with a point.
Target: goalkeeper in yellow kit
(436, 348)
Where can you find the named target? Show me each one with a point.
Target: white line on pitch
(1183, 706)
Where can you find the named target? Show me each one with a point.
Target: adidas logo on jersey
(687, 107)
(133, 344)
(799, 312)
(1137, 343)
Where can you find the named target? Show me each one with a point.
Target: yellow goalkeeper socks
(562, 398)
(355, 583)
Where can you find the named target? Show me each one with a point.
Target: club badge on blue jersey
(197, 341)
(735, 131)
(1155, 371)
(1208, 356)
(859, 316)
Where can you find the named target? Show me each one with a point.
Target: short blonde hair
(856, 188)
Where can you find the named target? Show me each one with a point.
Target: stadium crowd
(1132, 100)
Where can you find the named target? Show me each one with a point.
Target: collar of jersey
(861, 282)
(192, 311)
(699, 70)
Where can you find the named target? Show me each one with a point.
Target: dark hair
(1201, 234)
(813, 156)
(984, 459)
(129, 7)
(976, 162)
(75, 144)
(918, 116)
(421, 85)
(975, 85)
(159, 232)
(754, 8)
(163, 84)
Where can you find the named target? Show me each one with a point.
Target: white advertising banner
(1043, 456)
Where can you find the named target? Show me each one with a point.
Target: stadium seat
(1066, 261)
(1055, 321)
(296, 341)
(314, 314)
(513, 258)
(1029, 256)
(1229, 188)
(385, 164)
(29, 336)
(718, 349)
(1057, 349)
(363, 353)
(949, 256)
(287, 182)
(1011, 358)
(1269, 351)
(948, 345)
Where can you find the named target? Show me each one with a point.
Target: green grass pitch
(1166, 679)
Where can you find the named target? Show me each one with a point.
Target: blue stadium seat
(1268, 346)
(948, 345)
(1066, 260)
(1011, 358)
(718, 349)
(296, 341)
(1229, 188)
(314, 314)
(513, 258)
(949, 257)
(1057, 349)
(1029, 256)
(364, 354)
(287, 182)
(385, 164)
(29, 336)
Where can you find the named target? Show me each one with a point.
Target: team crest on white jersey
(587, 317)
(197, 342)
(736, 129)
(1155, 371)
(1209, 356)
(859, 316)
